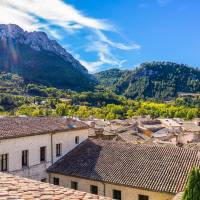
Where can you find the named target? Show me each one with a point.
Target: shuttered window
(4, 162)
(42, 154)
(24, 158)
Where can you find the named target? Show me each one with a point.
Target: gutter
(104, 189)
(52, 161)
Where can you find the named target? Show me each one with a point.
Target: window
(77, 139)
(4, 162)
(44, 180)
(74, 185)
(56, 181)
(58, 150)
(143, 197)
(117, 194)
(24, 158)
(42, 154)
(93, 189)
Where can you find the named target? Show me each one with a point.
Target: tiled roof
(156, 168)
(18, 188)
(194, 146)
(130, 136)
(12, 127)
(191, 127)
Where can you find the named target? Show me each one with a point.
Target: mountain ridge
(25, 52)
(160, 80)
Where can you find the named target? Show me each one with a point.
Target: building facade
(30, 155)
(110, 190)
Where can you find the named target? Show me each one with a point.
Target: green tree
(192, 189)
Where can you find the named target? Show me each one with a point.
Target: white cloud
(104, 54)
(43, 14)
(55, 11)
(11, 15)
(103, 47)
(121, 46)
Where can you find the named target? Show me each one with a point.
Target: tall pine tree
(192, 189)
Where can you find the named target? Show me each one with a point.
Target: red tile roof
(18, 188)
(156, 168)
(12, 127)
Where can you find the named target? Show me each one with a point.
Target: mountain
(40, 60)
(160, 80)
(110, 77)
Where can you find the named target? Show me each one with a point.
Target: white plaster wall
(37, 170)
(14, 147)
(67, 141)
(185, 138)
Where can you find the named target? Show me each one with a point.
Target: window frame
(25, 158)
(43, 180)
(43, 154)
(143, 197)
(77, 140)
(74, 185)
(58, 150)
(94, 189)
(4, 162)
(56, 181)
(115, 196)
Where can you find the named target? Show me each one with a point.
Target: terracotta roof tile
(18, 188)
(12, 127)
(149, 167)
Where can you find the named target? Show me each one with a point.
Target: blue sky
(114, 33)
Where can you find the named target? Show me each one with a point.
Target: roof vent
(71, 126)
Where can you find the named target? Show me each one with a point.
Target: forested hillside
(19, 98)
(158, 80)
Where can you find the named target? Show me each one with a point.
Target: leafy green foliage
(110, 77)
(157, 80)
(192, 190)
(125, 109)
(34, 100)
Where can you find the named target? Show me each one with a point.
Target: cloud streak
(54, 11)
(42, 15)
(103, 47)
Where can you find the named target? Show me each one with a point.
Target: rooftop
(13, 127)
(18, 188)
(191, 127)
(151, 167)
(130, 136)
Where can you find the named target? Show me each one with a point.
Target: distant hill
(160, 80)
(40, 60)
(110, 77)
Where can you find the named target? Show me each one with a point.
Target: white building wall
(67, 141)
(14, 147)
(36, 169)
(186, 138)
